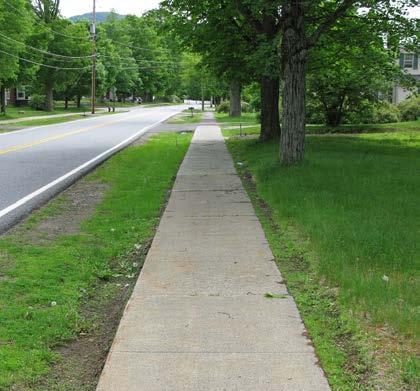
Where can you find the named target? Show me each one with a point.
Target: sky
(78, 7)
(137, 7)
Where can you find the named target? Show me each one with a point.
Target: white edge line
(43, 189)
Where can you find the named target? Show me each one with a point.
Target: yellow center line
(58, 137)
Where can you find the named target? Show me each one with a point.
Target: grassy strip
(245, 118)
(343, 228)
(57, 120)
(186, 118)
(365, 128)
(252, 127)
(43, 284)
(26, 111)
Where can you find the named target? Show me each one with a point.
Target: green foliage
(410, 108)
(367, 112)
(246, 107)
(385, 112)
(225, 107)
(37, 101)
(13, 29)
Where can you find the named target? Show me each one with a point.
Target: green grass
(250, 126)
(35, 275)
(186, 118)
(23, 112)
(350, 213)
(58, 120)
(244, 119)
(364, 128)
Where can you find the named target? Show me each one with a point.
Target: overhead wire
(39, 21)
(45, 65)
(71, 58)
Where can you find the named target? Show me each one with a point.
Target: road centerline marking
(97, 159)
(20, 147)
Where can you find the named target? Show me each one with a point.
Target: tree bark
(78, 101)
(2, 99)
(294, 57)
(66, 103)
(334, 112)
(334, 116)
(235, 99)
(49, 97)
(270, 120)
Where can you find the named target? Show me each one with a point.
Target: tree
(13, 32)
(300, 25)
(350, 64)
(207, 21)
(120, 63)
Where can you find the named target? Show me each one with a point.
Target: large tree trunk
(235, 99)
(2, 99)
(293, 56)
(66, 103)
(49, 97)
(78, 101)
(270, 121)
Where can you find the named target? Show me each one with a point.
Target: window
(408, 60)
(21, 94)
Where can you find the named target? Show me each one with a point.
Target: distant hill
(100, 16)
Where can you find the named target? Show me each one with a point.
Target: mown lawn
(43, 284)
(251, 126)
(355, 202)
(186, 118)
(26, 111)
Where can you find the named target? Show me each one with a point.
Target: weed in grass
(270, 295)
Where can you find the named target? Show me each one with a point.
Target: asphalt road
(37, 163)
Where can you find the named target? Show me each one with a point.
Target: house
(409, 62)
(17, 96)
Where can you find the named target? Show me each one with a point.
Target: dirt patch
(77, 204)
(81, 361)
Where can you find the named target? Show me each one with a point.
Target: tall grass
(357, 200)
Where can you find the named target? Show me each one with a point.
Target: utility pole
(202, 97)
(93, 32)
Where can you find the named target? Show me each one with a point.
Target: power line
(46, 52)
(44, 65)
(38, 21)
(87, 38)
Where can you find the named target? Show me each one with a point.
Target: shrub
(368, 112)
(410, 108)
(37, 102)
(224, 107)
(246, 107)
(385, 112)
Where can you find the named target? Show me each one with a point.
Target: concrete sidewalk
(198, 319)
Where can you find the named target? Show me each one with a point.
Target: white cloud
(77, 7)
